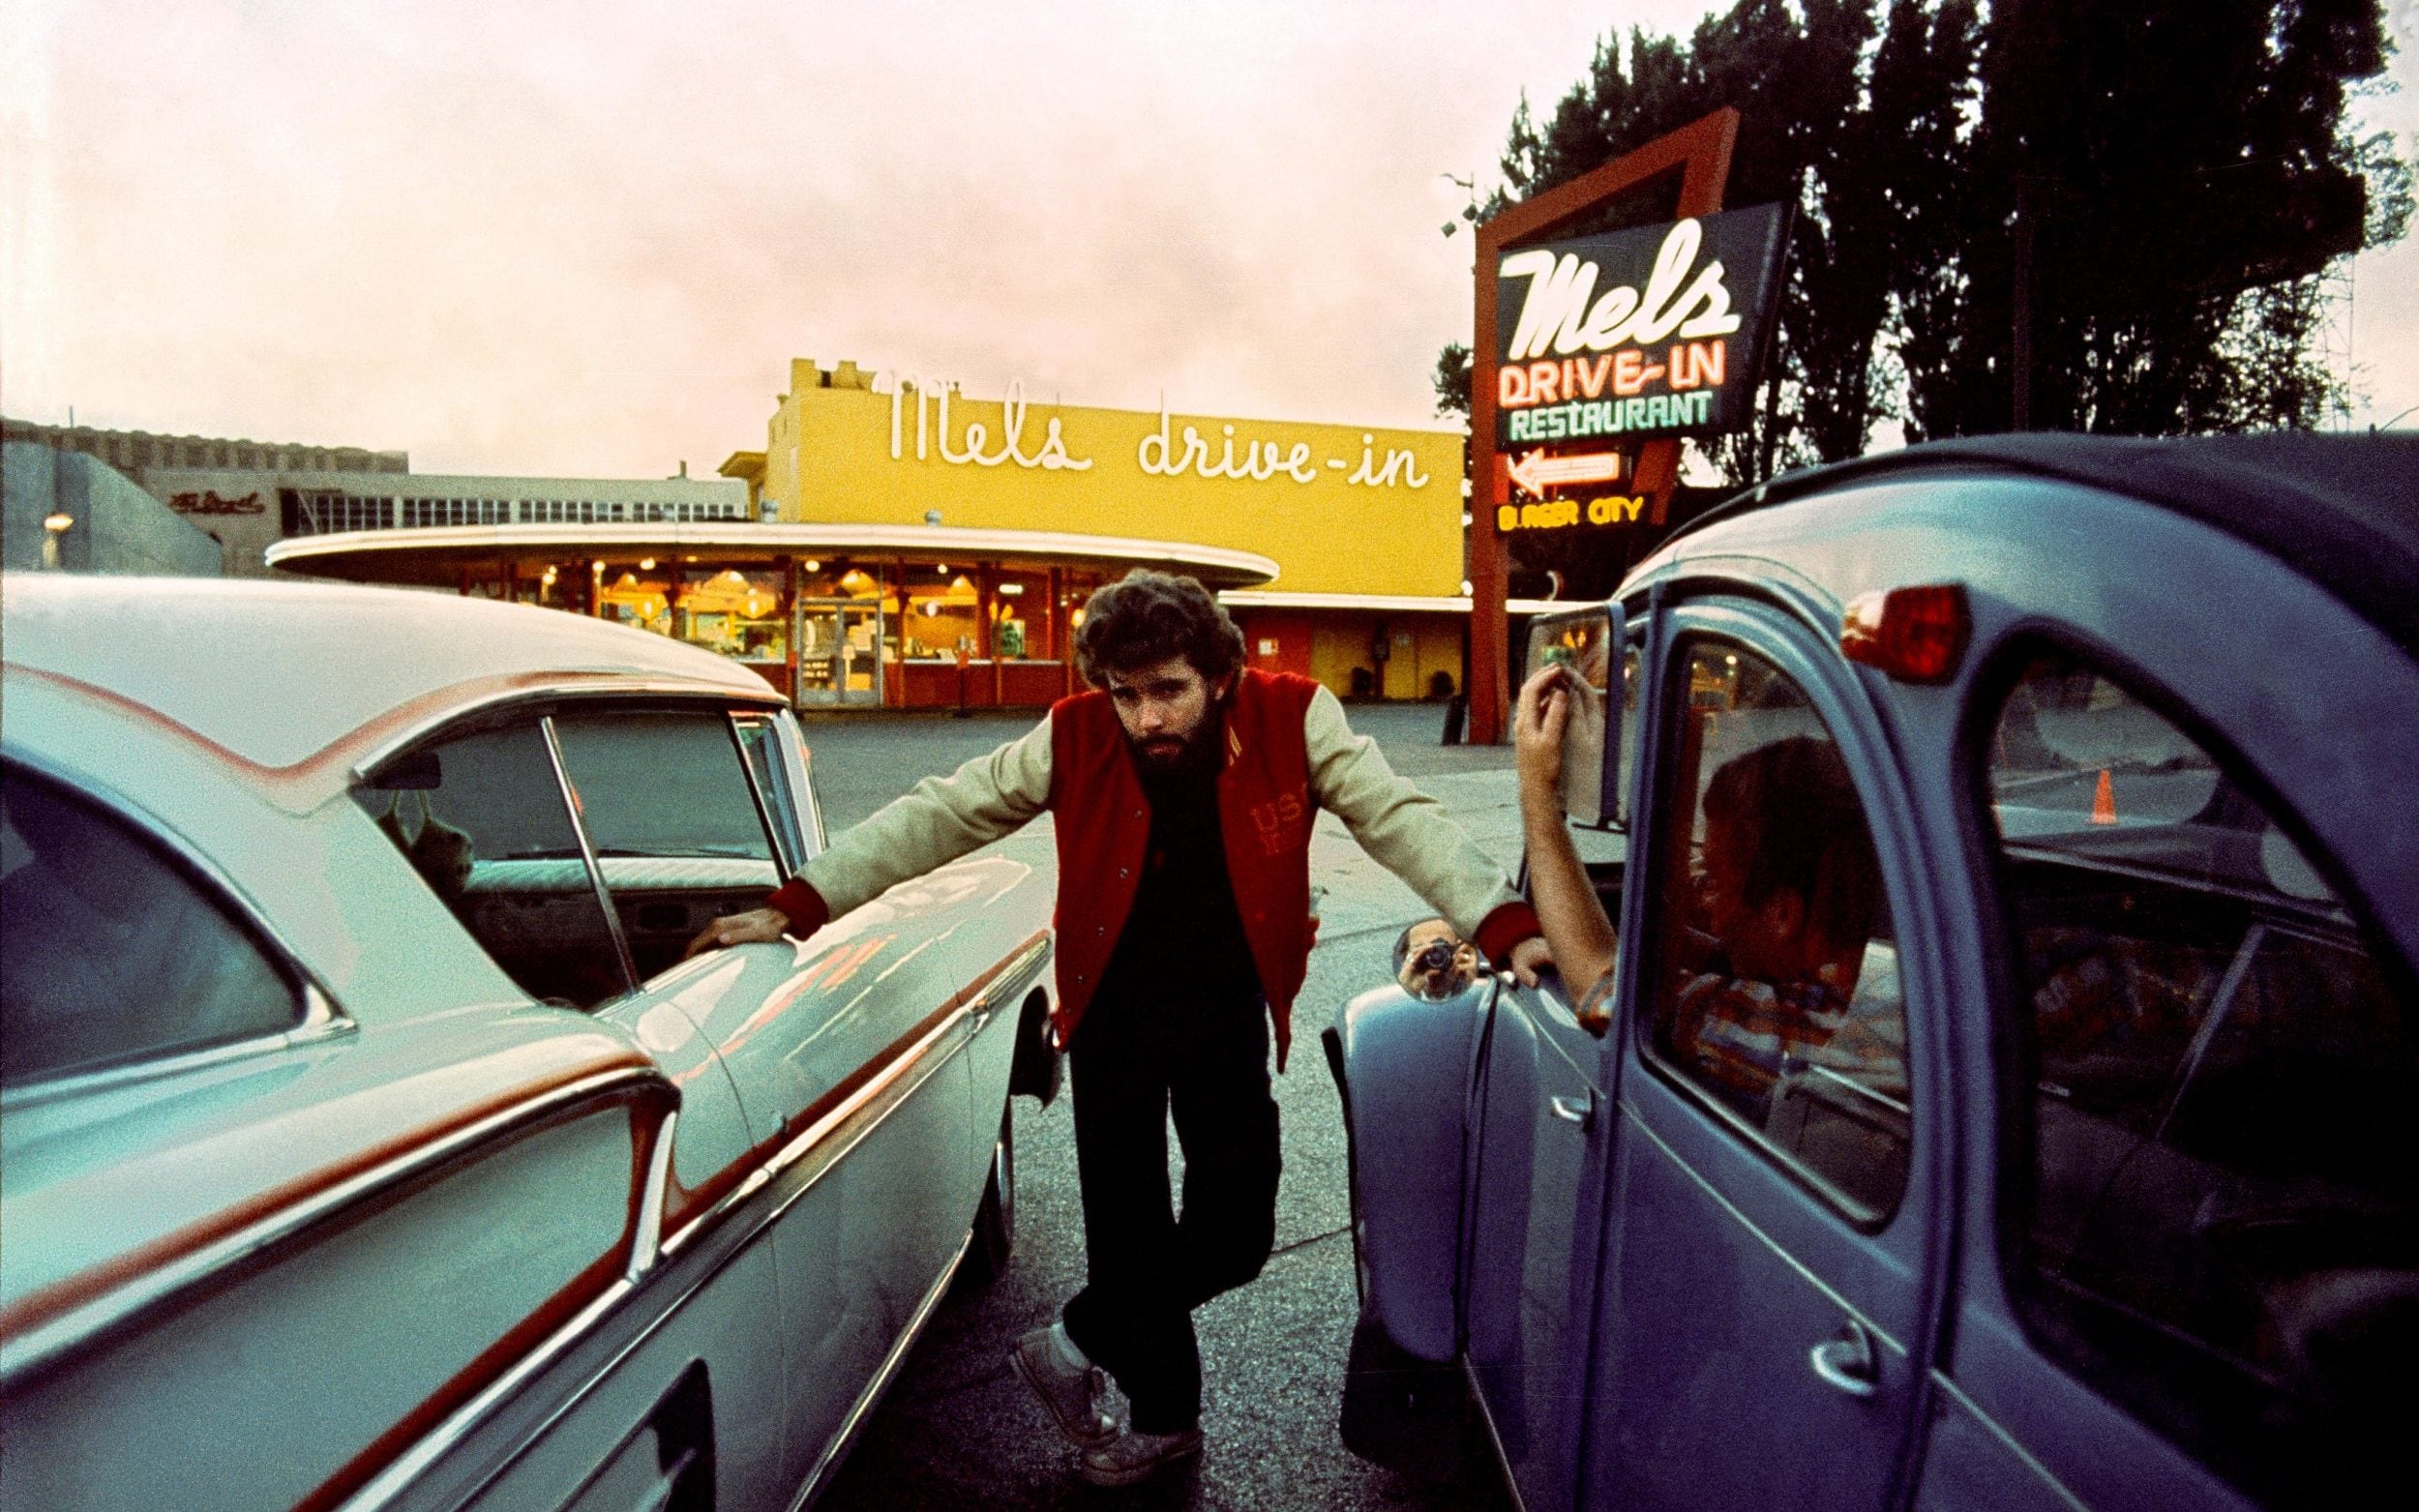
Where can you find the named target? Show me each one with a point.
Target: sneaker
(1133, 1455)
(1072, 1393)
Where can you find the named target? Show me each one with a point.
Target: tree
(2173, 177)
(2154, 192)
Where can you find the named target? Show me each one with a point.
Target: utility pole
(2021, 309)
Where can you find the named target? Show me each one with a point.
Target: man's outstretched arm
(1576, 929)
(937, 821)
(1409, 834)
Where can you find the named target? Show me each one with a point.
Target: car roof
(2344, 509)
(277, 672)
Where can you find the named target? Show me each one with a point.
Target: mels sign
(1639, 333)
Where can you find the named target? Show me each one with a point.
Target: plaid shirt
(1744, 1035)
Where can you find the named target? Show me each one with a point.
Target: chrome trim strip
(784, 863)
(1851, 1084)
(1019, 973)
(1821, 1286)
(1486, 1416)
(619, 685)
(320, 1018)
(854, 1422)
(800, 774)
(324, 1022)
(88, 1322)
(808, 1141)
(646, 1234)
(2008, 1441)
(588, 853)
(736, 1242)
(399, 1473)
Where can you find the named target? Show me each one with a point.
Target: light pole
(2374, 428)
(54, 525)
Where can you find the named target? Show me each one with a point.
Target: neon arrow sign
(1538, 472)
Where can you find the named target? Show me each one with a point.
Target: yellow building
(901, 543)
(1364, 526)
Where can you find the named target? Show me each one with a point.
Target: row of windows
(311, 512)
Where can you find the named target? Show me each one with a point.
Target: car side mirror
(1433, 963)
(1583, 643)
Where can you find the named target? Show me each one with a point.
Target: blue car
(2006, 1093)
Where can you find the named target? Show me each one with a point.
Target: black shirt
(1185, 936)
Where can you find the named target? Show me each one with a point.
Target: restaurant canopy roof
(439, 555)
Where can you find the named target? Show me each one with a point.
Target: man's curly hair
(1146, 617)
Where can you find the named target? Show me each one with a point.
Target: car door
(845, 1053)
(1762, 1279)
(1538, 1160)
(1537, 1172)
(582, 842)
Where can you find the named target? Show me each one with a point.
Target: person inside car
(1787, 891)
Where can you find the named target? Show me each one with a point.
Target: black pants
(1136, 1059)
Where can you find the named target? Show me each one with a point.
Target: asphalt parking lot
(958, 1430)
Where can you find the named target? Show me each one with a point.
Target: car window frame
(318, 1015)
(789, 840)
(537, 712)
(1758, 626)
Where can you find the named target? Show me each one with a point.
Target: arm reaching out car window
(1577, 934)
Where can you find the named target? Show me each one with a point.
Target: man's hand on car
(755, 926)
(1528, 957)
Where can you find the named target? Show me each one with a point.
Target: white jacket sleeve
(937, 821)
(1402, 828)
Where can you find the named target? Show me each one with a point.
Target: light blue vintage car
(2004, 1093)
(368, 1142)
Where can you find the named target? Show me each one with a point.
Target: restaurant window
(2218, 1224)
(638, 599)
(736, 613)
(1019, 611)
(941, 614)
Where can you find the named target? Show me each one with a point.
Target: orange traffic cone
(2104, 800)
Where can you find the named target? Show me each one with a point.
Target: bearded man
(1185, 786)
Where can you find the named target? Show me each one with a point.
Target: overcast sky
(586, 238)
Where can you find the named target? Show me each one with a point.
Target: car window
(664, 782)
(2220, 1224)
(662, 800)
(113, 950)
(1773, 969)
(483, 821)
(667, 801)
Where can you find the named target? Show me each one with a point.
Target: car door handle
(1580, 1111)
(1848, 1362)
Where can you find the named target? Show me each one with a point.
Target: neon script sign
(1050, 457)
(1667, 346)
(1162, 452)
